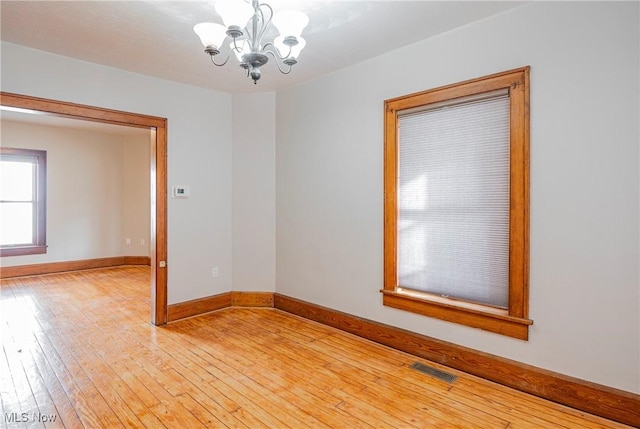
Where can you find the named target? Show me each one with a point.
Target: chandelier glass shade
(246, 24)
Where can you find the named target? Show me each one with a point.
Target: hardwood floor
(78, 351)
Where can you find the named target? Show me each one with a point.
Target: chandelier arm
(265, 24)
(223, 63)
(287, 71)
(235, 45)
(274, 51)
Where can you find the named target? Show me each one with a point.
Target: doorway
(157, 171)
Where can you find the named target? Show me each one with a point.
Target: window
(457, 203)
(22, 202)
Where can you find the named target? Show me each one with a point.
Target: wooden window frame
(514, 321)
(39, 246)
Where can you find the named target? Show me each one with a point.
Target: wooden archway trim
(158, 172)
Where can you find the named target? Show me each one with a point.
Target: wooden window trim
(22, 250)
(40, 219)
(514, 321)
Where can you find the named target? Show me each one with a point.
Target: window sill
(22, 250)
(474, 315)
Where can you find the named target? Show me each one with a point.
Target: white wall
(584, 182)
(254, 182)
(136, 191)
(199, 152)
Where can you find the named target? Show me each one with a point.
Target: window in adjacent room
(457, 203)
(22, 201)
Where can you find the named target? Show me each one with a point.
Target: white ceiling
(156, 38)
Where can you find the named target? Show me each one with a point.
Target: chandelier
(246, 23)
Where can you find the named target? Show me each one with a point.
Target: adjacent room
(320, 214)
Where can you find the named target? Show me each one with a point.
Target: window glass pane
(16, 181)
(16, 223)
(453, 201)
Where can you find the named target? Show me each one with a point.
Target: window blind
(453, 200)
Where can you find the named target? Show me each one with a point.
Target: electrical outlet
(128, 241)
(215, 273)
(142, 241)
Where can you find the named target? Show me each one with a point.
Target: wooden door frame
(158, 177)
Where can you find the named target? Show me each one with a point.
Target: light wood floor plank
(83, 395)
(48, 381)
(124, 403)
(266, 377)
(451, 420)
(285, 364)
(14, 344)
(79, 345)
(238, 351)
(291, 386)
(429, 416)
(10, 402)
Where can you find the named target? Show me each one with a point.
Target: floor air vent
(440, 375)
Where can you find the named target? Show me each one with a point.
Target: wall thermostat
(179, 192)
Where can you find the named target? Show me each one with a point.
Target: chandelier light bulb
(211, 34)
(290, 23)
